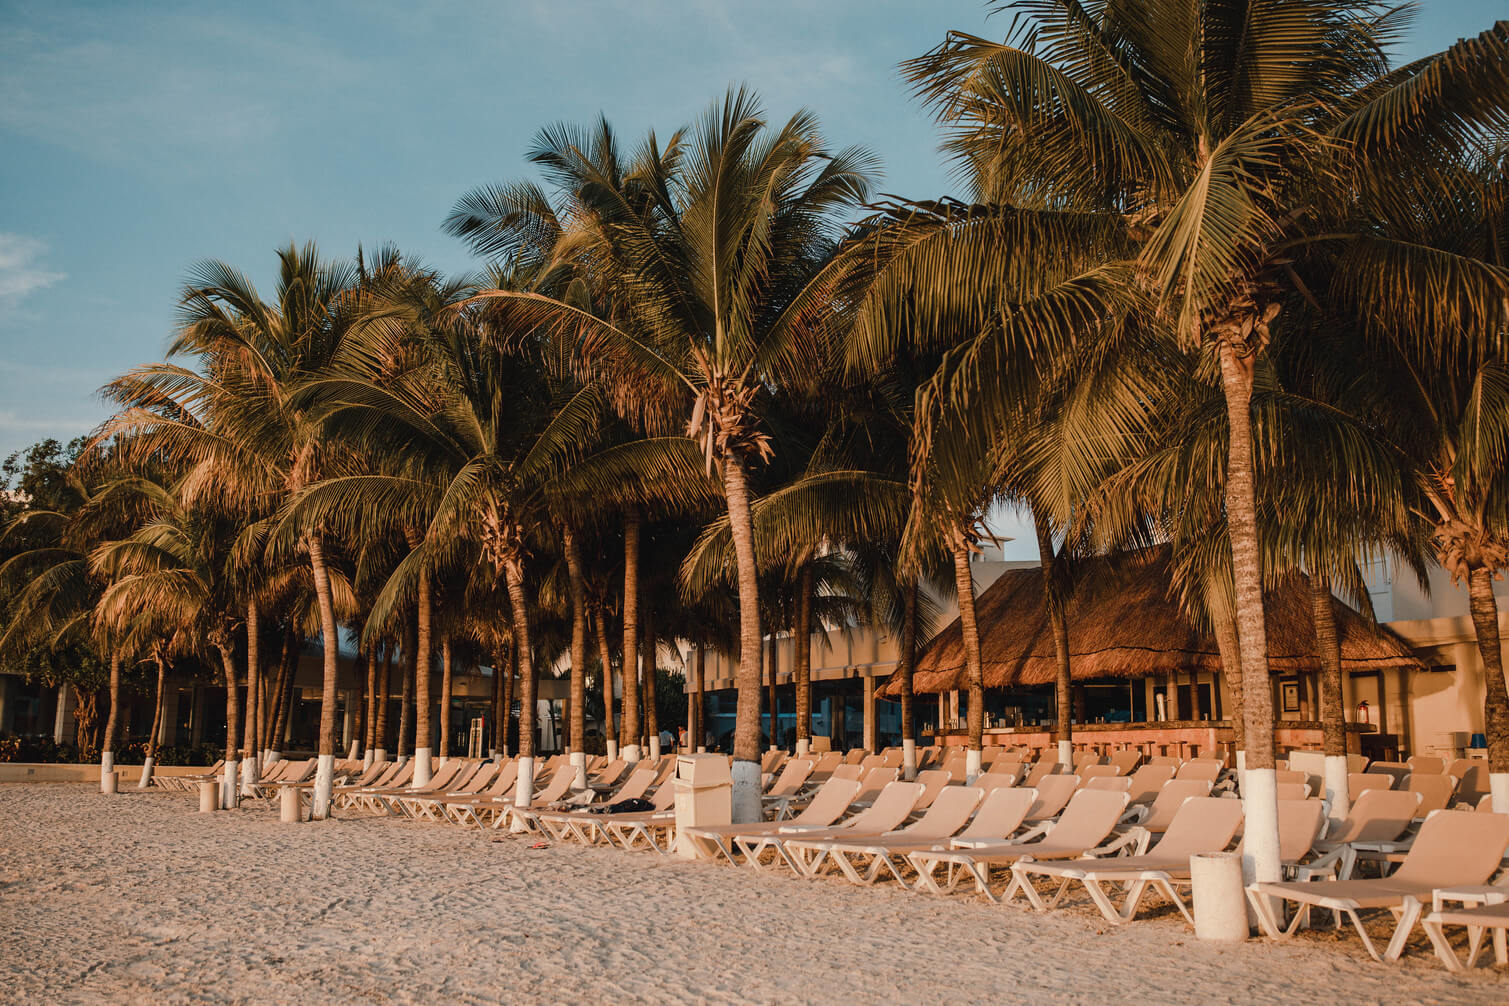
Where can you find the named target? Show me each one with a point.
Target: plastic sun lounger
(1202, 824)
(1001, 815)
(826, 807)
(581, 823)
(626, 830)
(1377, 816)
(894, 804)
(788, 786)
(453, 773)
(352, 795)
(1491, 913)
(468, 810)
(1455, 848)
(947, 815)
(558, 786)
(427, 808)
(1086, 822)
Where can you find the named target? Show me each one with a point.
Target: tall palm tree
(709, 267)
(234, 420)
(1220, 133)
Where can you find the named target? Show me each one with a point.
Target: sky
(137, 139)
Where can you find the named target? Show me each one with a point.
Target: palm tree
(234, 421)
(708, 267)
(1219, 135)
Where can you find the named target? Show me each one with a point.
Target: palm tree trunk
(651, 712)
(406, 699)
(605, 658)
(577, 728)
(801, 659)
(1231, 665)
(499, 671)
(292, 643)
(510, 675)
(447, 684)
(746, 766)
(907, 661)
(158, 715)
(249, 748)
(630, 727)
(324, 776)
(513, 569)
(228, 783)
(1260, 793)
(1064, 681)
(112, 724)
(1485, 620)
(384, 694)
(1333, 724)
(423, 726)
(370, 740)
(694, 703)
(964, 582)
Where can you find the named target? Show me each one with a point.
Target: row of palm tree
(1224, 279)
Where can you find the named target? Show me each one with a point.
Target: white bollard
(1220, 902)
(209, 796)
(110, 782)
(291, 805)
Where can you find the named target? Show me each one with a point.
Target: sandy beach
(141, 899)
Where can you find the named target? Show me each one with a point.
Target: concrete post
(209, 796)
(110, 783)
(290, 806)
(1220, 902)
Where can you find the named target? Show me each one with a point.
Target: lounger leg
(1367, 942)
(1442, 945)
(1019, 882)
(1098, 895)
(847, 867)
(1407, 919)
(1058, 895)
(1262, 906)
(1172, 894)
(925, 880)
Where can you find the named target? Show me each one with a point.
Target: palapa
(1123, 623)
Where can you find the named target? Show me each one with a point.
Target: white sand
(138, 898)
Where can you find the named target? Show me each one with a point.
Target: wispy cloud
(21, 269)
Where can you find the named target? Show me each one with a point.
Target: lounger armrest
(1035, 832)
(1135, 814)
(1122, 844)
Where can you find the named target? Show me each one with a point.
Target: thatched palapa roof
(1123, 623)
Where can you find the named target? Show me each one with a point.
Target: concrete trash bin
(209, 797)
(704, 796)
(291, 805)
(1220, 900)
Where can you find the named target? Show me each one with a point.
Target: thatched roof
(1124, 624)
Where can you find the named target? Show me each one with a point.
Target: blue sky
(140, 138)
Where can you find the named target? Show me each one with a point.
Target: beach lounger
(560, 824)
(472, 808)
(655, 827)
(1042, 769)
(1147, 781)
(427, 808)
(1085, 823)
(1126, 761)
(190, 783)
(1053, 795)
(1112, 783)
(558, 785)
(1209, 769)
(1359, 783)
(453, 773)
(1153, 819)
(894, 804)
(787, 787)
(1454, 849)
(1435, 791)
(828, 805)
(1202, 824)
(352, 795)
(1488, 912)
(947, 815)
(1377, 815)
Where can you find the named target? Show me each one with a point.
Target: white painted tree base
(381, 755)
(230, 786)
(524, 791)
(803, 745)
(1066, 753)
(972, 764)
(654, 748)
(1498, 785)
(107, 768)
(423, 767)
(1260, 859)
(1337, 787)
(746, 792)
(324, 786)
(631, 753)
(579, 766)
(909, 760)
(613, 750)
(248, 776)
(147, 766)
(367, 762)
(355, 750)
(271, 757)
